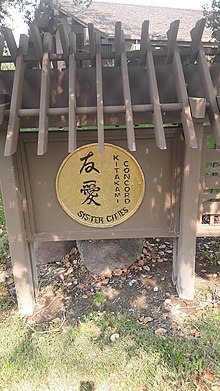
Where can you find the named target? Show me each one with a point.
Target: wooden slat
(186, 117)
(196, 35)
(211, 208)
(127, 98)
(154, 96)
(99, 92)
(92, 42)
(211, 196)
(212, 170)
(144, 41)
(44, 96)
(197, 106)
(64, 42)
(118, 38)
(54, 49)
(16, 100)
(72, 94)
(10, 40)
(36, 37)
(2, 43)
(172, 39)
(206, 81)
(212, 181)
(211, 155)
(174, 55)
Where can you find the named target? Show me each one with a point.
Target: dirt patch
(68, 291)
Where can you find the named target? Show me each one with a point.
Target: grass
(84, 354)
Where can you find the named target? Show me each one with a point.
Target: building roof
(104, 15)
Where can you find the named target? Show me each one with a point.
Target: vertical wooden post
(185, 246)
(24, 267)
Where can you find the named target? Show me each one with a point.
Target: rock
(114, 337)
(147, 268)
(145, 251)
(100, 256)
(148, 319)
(117, 272)
(156, 289)
(46, 252)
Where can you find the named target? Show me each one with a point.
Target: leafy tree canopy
(212, 14)
(34, 10)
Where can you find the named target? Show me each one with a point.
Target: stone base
(46, 252)
(103, 256)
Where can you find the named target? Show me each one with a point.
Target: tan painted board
(153, 218)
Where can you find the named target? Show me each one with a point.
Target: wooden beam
(36, 37)
(24, 266)
(206, 81)
(64, 42)
(72, 94)
(144, 41)
(171, 40)
(186, 116)
(99, 94)
(127, 98)
(44, 96)
(198, 106)
(16, 100)
(154, 97)
(118, 39)
(92, 42)
(196, 35)
(10, 40)
(174, 56)
(2, 43)
(185, 245)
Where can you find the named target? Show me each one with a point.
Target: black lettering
(116, 157)
(88, 166)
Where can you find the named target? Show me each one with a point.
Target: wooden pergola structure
(161, 102)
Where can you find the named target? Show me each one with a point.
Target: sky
(19, 27)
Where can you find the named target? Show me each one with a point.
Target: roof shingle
(104, 15)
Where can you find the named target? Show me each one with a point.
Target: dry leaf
(160, 331)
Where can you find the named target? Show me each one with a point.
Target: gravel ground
(68, 291)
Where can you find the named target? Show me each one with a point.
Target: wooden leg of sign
(24, 267)
(185, 246)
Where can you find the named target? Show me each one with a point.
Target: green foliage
(212, 258)
(212, 15)
(99, 300)
(39, 10)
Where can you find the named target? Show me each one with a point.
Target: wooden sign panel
(100, 189)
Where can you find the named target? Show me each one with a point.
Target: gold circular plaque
(100, 189)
